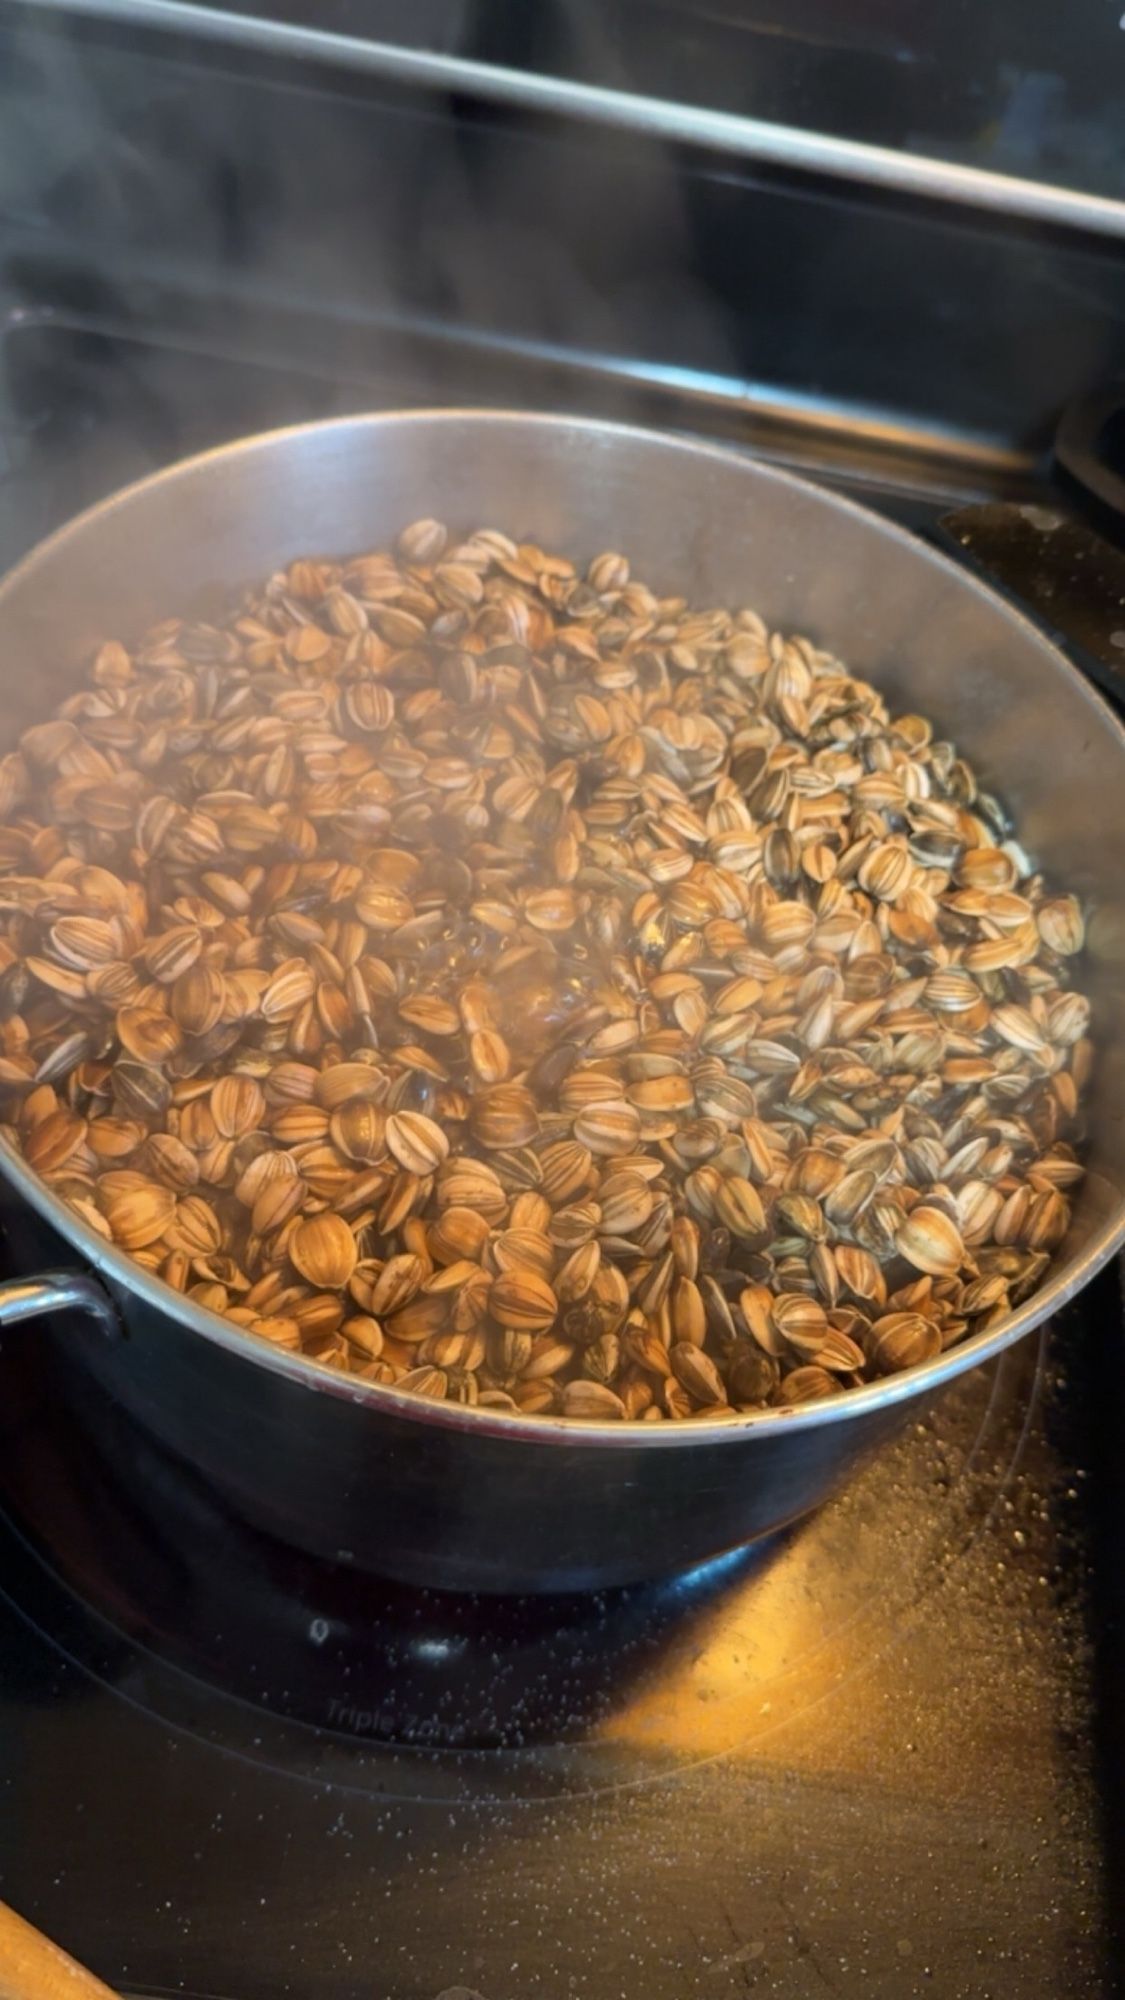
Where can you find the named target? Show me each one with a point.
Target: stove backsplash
(318, 219)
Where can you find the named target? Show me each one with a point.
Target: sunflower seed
(536, 994)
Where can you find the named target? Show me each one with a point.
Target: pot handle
(57, 1291)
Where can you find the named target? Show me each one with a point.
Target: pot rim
(122, 1273)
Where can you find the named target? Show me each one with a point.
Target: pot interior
(718, 528)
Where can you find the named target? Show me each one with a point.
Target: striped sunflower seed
(534, 994)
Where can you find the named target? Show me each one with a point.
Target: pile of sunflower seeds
(507, 984)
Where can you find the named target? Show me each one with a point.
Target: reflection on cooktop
(129, 1564)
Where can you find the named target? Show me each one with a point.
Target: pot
(467, 1498)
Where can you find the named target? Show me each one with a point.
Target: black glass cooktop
(876, 1756)
(881, 1755)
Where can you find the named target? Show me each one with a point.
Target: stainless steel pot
(461, 1497)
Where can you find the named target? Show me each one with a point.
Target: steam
(222, 244)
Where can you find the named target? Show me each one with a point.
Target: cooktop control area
(880, 1755)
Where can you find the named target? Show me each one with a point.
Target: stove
(881, 1754)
